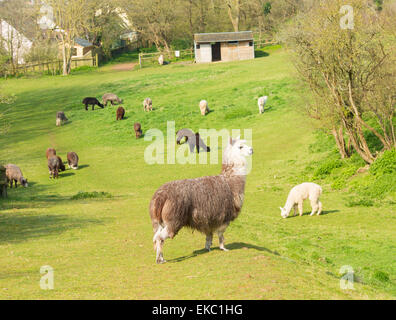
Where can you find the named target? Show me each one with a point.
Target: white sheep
(298, 194)
(261, 103)
(203, 106)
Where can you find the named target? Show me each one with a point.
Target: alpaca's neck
(288, 206)
(234, 166)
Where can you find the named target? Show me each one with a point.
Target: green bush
(341, 181)
(380, 276)
(90, 195)
(326, 168)
(359, 203)
(384, 164)
(382, 186)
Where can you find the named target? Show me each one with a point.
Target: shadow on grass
(231, 246)
(83, 166)
(17, 227)
(323, 213)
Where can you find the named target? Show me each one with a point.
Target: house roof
(83, 42)
(223, 36)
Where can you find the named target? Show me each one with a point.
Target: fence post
(97, 60)
(140, 60)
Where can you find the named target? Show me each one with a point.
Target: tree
(18, 30)
(350, 71)
(155, 20)
(68, 19)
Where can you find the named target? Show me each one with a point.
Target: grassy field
(101, 248)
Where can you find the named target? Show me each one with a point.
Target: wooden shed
(81, 48)
(223, 46)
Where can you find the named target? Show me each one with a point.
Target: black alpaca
(92, 101)
(194, 140)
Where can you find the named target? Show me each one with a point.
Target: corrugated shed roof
(223, 36)
(83, 42)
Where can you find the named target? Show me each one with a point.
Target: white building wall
(21, 45)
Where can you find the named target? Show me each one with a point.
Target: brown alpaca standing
(120, 113)
(138, 130)
(54, 166)
(207, 204)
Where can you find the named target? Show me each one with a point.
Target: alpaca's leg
(295, 209)
(320, 207)
(160, 238)
(220, 233)
(300, 208)
(315, 207)
(11, 182)
(16, 183)
(208, 244)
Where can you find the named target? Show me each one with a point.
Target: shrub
(359, 203)
(380, 276)
(384, 164)
(326, 168)
(90, 195)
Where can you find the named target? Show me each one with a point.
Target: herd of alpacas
(207, 204)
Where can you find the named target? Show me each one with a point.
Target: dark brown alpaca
(194, 140)
(120, 113)
(50, 152)
(72, 160)
(54, 166)
(138, 130)
(61, 165)
(206, 204)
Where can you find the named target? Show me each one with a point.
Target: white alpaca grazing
(261, 103)
(203, 106)
(298, 194)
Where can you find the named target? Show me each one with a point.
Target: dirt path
(124, 66)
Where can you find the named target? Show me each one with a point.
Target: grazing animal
(61, 165)
(72, 160)
(50, 152)
(138, 130)
(161, 60)
(14, 174)
(203, 106)
(120, 113)
(261, 103)
(207, 204)
(54, 166)
(92, 101)
(147, 104)
(193, 139)
(112, 98)
(298, 194)
(60, 118)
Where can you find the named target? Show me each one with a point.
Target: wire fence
(258, 44)
(54, 67)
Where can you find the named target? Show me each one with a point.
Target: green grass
(102, 247)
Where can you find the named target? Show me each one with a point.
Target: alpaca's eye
(241, 147)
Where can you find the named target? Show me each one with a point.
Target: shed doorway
(216, 52)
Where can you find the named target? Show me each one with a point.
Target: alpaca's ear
(231, 141)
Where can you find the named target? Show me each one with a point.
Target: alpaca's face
(241, 148)
(283, 212)
(24, 182)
